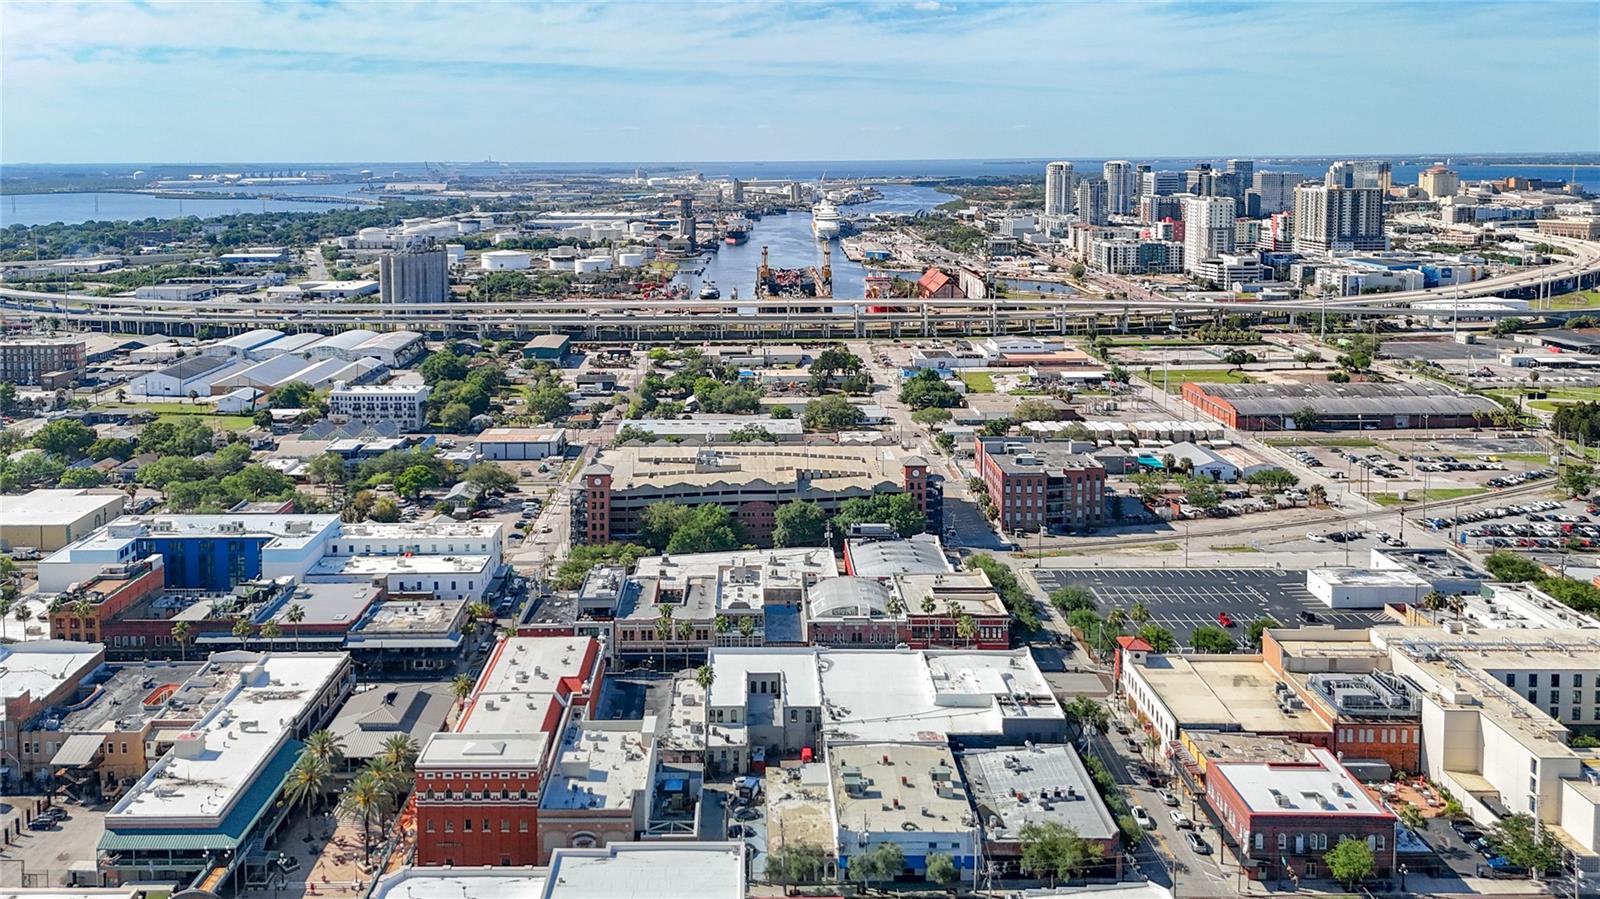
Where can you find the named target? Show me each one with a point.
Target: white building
(1208, 230)
(1365, 588)
(660, 870)
(180, 292)
(907, 794)
(392, 348)
(241, 344)
(406, 405)
(1057, 192)
(1329, 219)
(192, 375)
(342, 345)
(1122, 186)
(520, 444)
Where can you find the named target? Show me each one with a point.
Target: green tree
(110, 448)
(487, 476)
(307, 782)
(181, 633)
(461, 686)
(549, 403)
(883, 862)
(799, 523)
(442, 366)
(1073, 597)
(1207, 638)
(182, 435)
(1202, 493)
(242, 630)
(1159, 638)
(752, 434)
(1511, 567)
(942, 869)
(1523, 842)
(1036, 409)
(1411, 817)
(832, 364)
(797, 863)
(1576, 479)
(1056, 851)
(65, 437)
(81, 478)
(293, 395)
(932, 415)
(899, 510)
(384, 510)
(660, 520)
(1084, 715)
(708, 529)
(570, 574)
(416, 479)
(1257, 628)
(1350, 861)
(327, 469)
(926, 389)
(455, 417)
(1272, 479)
(832, 413)
(365, 799)
(295, 614)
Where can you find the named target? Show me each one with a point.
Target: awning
(79, 751)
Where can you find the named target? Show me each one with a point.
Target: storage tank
(638, 228)
(630, 259)
(372, 234)
(506, 260)
(592, 264)
(455, 252)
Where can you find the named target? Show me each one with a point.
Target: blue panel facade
(207, 563)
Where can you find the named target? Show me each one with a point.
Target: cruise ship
(825, 220)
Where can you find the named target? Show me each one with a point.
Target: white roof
(904, 695)
(666, 870)
(398, 566)
(53, 506)
(346, 340)
(42, 666)
(733, 665)
(392, 340)
(1317, 786)
(290, 343)
(511, 698)
(233, 743)
(249, 340)
(601, 765)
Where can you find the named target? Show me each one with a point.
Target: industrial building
(49, 519)
(36, 675)
(749, 481)
(1277, 407)
(520, 444)
(416, 273)
(194, 375)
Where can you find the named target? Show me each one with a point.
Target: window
(430, 825)
(522, 826)
(466, 825)
(1283, 841)
(449, 826)
(1261, 840)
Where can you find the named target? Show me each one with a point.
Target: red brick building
(1283, 817)
(1273, 407)
(922, 611)
(110, 593)
(1036, 484)
(478, 788)
(935, 284)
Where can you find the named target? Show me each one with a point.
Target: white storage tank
(505, 260)
(456, 253)
(630, 259)
(592, 264)
(372, 234)
(638, 228)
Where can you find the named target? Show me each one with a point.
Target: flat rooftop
(1368, 577)
(284, 531)
(601, 765)
(921, 554)
(215, 762)
(327, 603)
(519, 435)
(505, 715)
(733, 666)
(969, 591)
(433, 527)
(40, 667)
(132, 695)
(917, 788)
(1317, 785)
(44, 508)
(1045, 783)
(413, 616)
(825, 468)
(662, 870)
(713, 425)
(905, 695)
(1223, 692)
(398, 565)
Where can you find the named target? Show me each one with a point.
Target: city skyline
(344, 82)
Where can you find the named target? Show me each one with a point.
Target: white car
(1316, 538)
(1167, 798)
(1143, 818)
(1181, 820)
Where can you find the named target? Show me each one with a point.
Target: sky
(679, 81)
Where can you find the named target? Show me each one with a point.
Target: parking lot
(41, 858)
(1183, 599)
(1536, 524)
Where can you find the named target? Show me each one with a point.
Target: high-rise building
(1196, 179)
(1207, 229)
(1160, 184)
(1439, 181)
(419, 273)
(1057, 189)
(1328, 219)
(1244, 168)
(1372, 174)
(1091, 205)
(1122, 186)
(1276, 190)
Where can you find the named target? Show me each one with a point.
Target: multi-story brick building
(1283, 817)
(922, 611)
(749, 481)
(478, 787)
(1037, 485)
(41, 361)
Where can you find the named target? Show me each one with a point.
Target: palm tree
(295, 614)
(365, 797)
(388, 774)
(1115, 619)
(461, 685)
(722, 623)
(400, 751)
(685, 630)
(81, 610)
(966, 628)
(664, 631)
(1432, 601)
(747, 626)
(5, 612)
(1318, 495)
(895, 607)
(1139, 614)
(929, 606)
(307, 782)
(476, 612)
(181, 632)
(271, 630)
(324, 746)
(704, 676)
(242, 629)
(22, 615)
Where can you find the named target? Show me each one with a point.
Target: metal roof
(78, 751)
(1415, 399)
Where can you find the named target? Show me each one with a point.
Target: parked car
(1180, 820)
(1143, 818)
(1167, 798)
(1224, 619)
(1200, 846)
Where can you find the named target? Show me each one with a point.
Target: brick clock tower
(597, 504)
(916, 480)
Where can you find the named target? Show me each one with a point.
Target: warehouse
(50, 519)
(521, 444)
(546, 348)
(1328, 406)
(341, 345)
(394, 348)
(242, 344)
(192, 375)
